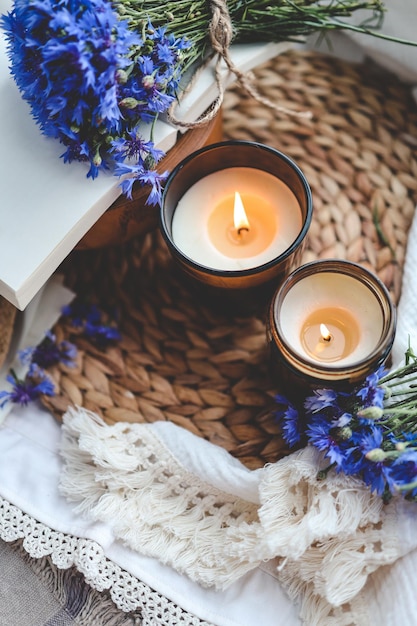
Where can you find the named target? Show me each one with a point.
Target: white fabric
(400, 19)
(30, 328)
(30, 466)
(407, 308)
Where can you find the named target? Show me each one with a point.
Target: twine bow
(221, 35)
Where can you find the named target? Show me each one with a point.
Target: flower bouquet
(98, 74)
(370, 432)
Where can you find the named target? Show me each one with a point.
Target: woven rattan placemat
(180, 360)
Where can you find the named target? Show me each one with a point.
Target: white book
(46, 205)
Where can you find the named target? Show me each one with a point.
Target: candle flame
(239, 215)
(325, 333)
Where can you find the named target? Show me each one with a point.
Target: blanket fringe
(326, 536)
(131, 481)
(298, 509)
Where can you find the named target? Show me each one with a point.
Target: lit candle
(202, 201)
(241, 237)
(203, 223)
(333, 341)
(331, 322)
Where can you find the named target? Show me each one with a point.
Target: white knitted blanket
(171, 495)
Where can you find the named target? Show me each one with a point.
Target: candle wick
(327, 338)
(239, 230)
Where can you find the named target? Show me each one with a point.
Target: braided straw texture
(178, 359)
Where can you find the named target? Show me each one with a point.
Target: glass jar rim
(230, 146)
(376, 287)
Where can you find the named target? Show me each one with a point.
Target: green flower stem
(399, 373)
(407, 487)
(392, 387)
(375, 33)
(253, 20)
(322, 474)
(406, 394)
(403, 410)
(395, 423)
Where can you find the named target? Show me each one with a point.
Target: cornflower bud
(387, 391)
(371, 413)
(129, 103)
(121, 76)
(148, 81)
(97, 160)
(343, 433)
(376, 455)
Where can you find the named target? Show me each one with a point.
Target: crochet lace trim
(127, 592)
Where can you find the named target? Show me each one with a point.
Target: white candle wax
(324, 294)
(277, 219)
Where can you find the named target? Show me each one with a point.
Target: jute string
(221, 36)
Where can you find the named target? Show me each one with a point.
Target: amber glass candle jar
(330, 324)
(198, 215)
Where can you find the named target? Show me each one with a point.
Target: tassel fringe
(327, 536)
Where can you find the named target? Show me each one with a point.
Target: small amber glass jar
(219, 161)
(330, 324)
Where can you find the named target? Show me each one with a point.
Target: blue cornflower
(81, 312)
(102, 334)
(404, 472)
(330, 440)
(133, 173)
(365, 433)
(288, 418)
(134, 146)
(77, 63)
(89, 320)
(23, 391)
(342, 420)
(165, 53)
(406, 441)
(49, 353)
(378, 476)
(321, 399)
(69, 52)
(371, 394)
(155, 180)
(375, 469)
(371, 439)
